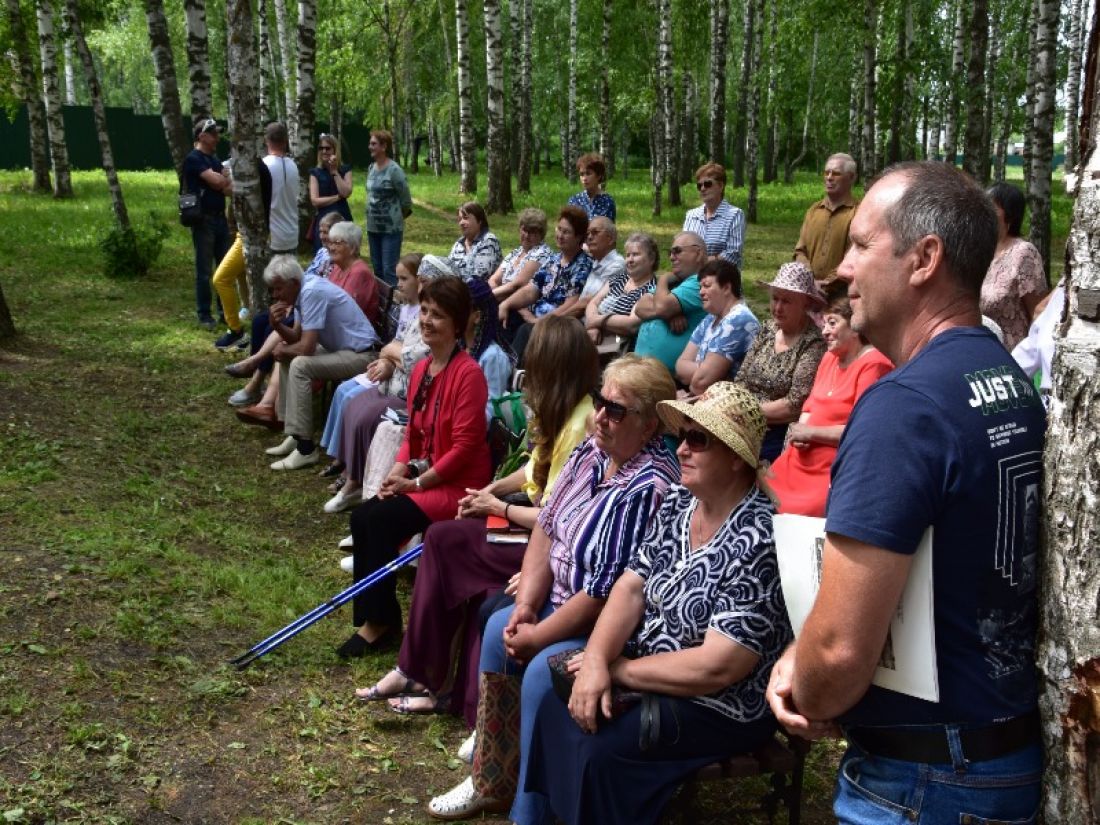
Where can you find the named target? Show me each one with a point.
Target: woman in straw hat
(695, 624)
(780, 365)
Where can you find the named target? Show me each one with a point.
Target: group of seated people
(629, 639)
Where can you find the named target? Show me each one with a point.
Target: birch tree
(605, 147)
(51, 93)
(570, 151)
(752, 122)
(247, 145)
(748, 24)
(164, 64)
(467, 149)
(267, 62)
(70, 74)
(500, 174)
(1042, 119)
(1069, 635)
(305, 109)
(868, 166)
(523, 178)
(198, 60)
(1076, 46)
(664, 83)
(958, 65)
(792, 164)
(28, 91)
(91, 78)
(286, 58)
(719, 42)
(978, 36)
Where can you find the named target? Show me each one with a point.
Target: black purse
(190, 209)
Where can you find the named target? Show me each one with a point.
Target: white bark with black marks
(198, 59)
(570, 151)
(668, 103)
(752, 121)
(526, 142)
(868, 165)
(606, 147)
(719, 42)
(305, 115)
(1076, 47)
(286, 57)
(171, 115)
(974, 154)
(467, 149)
(70, 72)
(1042, 119)
(499, 198)
(958, 65)
(28, 91)
(51, 94)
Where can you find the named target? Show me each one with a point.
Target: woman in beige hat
(695, 623)
(780, 365)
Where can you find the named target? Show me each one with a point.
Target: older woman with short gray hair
(350, 272)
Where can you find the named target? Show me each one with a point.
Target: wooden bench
(783, 757)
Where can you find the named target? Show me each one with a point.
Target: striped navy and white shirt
(723, 233)
(594, 523)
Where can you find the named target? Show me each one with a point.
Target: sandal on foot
(373, 694)
(409, 705)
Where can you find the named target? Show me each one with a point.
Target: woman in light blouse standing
(388, 204)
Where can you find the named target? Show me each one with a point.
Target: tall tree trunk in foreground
(1069, 634)
(525, 138)
(267, 63)
(32, 99)
(286, 57)
(664, 83)
(500, 174)
(978, 32)
(198, 60)
(51, 92)
(171, 115)
(1031, 21)
(7, 325)
(958, 64)
(72, 22)
(1073, 81)
(868, 166)
(719, 42)
(569, 149)
(1042, 149)
(788, 173)
(247, 146)
(305, 115)
(752, 122)
(465, 100)
(749, 23)
(606, 148)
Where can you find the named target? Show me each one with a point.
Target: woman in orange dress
(800, 475)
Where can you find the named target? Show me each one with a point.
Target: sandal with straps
(373, 694)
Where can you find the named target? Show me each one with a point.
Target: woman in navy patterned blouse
(592, 199)
(695, 622)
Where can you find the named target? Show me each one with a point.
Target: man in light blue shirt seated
(675, 309)
(720, 341)
(332, 340)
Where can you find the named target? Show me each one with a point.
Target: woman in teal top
(388, 204)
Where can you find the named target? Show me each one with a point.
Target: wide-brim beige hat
(728, 412)
(795, 276)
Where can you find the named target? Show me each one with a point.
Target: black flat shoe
(356, 646)
(332, 470)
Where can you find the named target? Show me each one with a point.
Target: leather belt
(931, 745)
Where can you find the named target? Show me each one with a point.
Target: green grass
(145, 543)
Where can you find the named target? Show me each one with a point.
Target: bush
(129, 253)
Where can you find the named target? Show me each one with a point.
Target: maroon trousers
(456, 572)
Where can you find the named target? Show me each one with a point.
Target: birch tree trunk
(511, 86)
(788, 173)
(1073, 81)
(171, 115)
(870, 39)
(664, 81)
(752, 122)
(465, 100)
(855, 110)
(995, 46)
(76, 33)
(689, 130)
(606, 148)
(500, 174)
(935, 125)
(198, 61)
(978, 36)
(70, 74)
(958, 64)
(32, 99)
(51, 93)
(719, 42)
(771, 104)
(657, 151)
(743, 94)
(305, 110)
(1029, 99)
(1042, 149)
(525, 137)
(286, 57)
(267, 63)
(1069, 633)
(569, 150)
(247, 146)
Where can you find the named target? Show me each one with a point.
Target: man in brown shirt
(824, 236)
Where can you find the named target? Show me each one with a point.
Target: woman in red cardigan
(444, 453)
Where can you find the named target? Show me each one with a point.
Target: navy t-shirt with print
(197, 162)
(953, 440)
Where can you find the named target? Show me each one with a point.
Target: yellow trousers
(231, 277)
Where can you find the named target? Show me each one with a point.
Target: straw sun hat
(728, 412)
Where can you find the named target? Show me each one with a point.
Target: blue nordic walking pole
(316, 614)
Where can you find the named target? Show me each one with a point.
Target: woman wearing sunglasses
(695, 623)
(721, 225)
(603, 503)
(444, 452)
(330, 185)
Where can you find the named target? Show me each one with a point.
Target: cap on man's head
(205, 125)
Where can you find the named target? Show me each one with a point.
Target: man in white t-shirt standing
(283, 220)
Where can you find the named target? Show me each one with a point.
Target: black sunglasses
(612, 409)
(705, 183)
(697, 440)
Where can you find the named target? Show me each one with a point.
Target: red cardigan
(460, 451)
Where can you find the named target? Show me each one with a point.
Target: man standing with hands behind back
(952, 439)
(824, 236)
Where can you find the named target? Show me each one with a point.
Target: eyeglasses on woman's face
(696, 440)
(705, 183)
(614, 411)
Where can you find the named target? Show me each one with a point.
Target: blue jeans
(211, 241)
(527, 807)
(385, 249)
(872, 790)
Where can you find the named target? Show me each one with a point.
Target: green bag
(510, 409)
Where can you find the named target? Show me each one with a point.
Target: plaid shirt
(724, 233)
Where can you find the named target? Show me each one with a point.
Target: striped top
(724, 233)
(593, 524)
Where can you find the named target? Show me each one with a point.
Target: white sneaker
(243, 398)
(344, 501)
(463, 801)
(296, 460)
(347, 564)
(284, 448)
(466, 749)
(346, 542)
